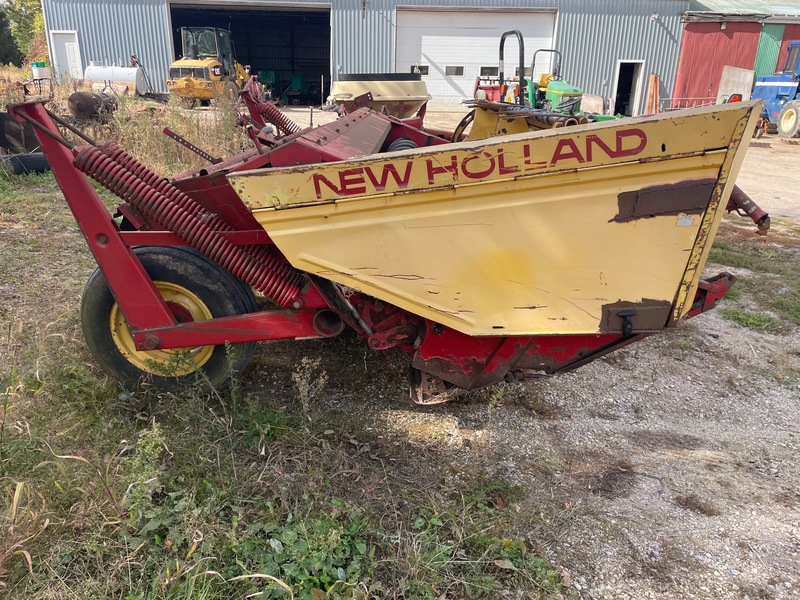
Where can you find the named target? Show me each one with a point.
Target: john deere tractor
(208, 67)
(517, 104)
(551, 93)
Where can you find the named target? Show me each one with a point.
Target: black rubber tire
(231, 92)
(789, 120)
(403, 143)
(219, 291)
(22, 164)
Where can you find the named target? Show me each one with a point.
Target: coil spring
(265, 269)
(271, 114)
(268, 256)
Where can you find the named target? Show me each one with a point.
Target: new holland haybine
(484, 260)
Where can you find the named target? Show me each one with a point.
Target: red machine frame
(313, 307)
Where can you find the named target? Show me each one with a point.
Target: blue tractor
(781, 96)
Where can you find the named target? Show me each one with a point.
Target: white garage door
(452, 47)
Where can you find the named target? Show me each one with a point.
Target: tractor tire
(23, 164)
(789, 120)
(195, 289)
(231, 92)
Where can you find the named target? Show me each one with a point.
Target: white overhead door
(452, 47)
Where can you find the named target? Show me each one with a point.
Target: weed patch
(772, 281)
(762, 322)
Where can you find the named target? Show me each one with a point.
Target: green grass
(762, 322)
(767, 298)
(180, 497)
(111, 494)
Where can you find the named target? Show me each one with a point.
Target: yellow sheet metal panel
(708, 229)
(537, 233)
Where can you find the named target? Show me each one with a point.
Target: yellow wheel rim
(175, 362)
(788, 120)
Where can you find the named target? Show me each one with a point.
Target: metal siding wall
(591, 34)
(362, 39)
(594, 35)
(109, 32)
(769, 46)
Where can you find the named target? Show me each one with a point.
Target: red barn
(746, 34)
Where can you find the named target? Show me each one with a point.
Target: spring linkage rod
(71, 128)
(46, 131)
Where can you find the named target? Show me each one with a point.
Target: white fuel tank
(118, 75)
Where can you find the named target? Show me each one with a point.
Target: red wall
(706, 49)
(790, 34)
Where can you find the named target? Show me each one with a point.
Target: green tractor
(551, 93)
(519, 104)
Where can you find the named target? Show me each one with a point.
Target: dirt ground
(666, 470)
(769, 176)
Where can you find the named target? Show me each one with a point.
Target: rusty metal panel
(357, 134)
(706, 49)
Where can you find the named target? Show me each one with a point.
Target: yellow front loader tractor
(207, 68)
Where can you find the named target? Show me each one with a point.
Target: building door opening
(627, 97)
(66, 54)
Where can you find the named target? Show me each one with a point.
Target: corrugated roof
(745, 7)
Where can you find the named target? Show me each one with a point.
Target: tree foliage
(9, 52)
(26, 20)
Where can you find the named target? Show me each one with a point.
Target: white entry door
(66, 54)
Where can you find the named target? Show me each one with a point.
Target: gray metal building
(609, 47)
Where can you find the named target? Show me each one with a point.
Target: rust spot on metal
(689, 197)
(647, 316)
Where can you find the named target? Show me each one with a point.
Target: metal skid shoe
(426, 389)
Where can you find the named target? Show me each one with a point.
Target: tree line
(21, 22)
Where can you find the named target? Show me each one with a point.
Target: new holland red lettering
(352, 182)
(594, 140)
(501, 164)
(320, 180)
(389, 169)
(478, 174)
(530, 165)
(434, 170)
(566, 148)
(627, 133)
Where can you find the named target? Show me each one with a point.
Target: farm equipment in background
(518, 104)
(549, 93)
(445, 251)
(779, 92)
(400, 95)
(208, 68)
